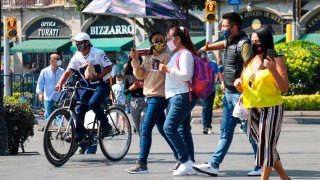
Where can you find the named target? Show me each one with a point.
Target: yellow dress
(262, 91)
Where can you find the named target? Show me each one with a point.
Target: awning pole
(134, 32)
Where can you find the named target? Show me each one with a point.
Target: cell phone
(271, 53)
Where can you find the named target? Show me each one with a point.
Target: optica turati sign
(48, 28)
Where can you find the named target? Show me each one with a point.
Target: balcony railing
(31, 3)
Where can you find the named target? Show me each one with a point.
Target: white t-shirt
(118, 91)
(177, 80)
(98, 58)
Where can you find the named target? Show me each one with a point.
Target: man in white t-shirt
(102, 66)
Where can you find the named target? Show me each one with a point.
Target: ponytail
(184, 35)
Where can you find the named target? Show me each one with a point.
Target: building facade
(46, 26)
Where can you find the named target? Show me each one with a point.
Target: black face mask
(82, 46)
(257, 48)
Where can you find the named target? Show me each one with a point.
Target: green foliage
(80, 4)
(26, 87)
(303, 62)
(218, 98)
(302, 102)
(19, 120)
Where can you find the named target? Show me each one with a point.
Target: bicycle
(59, 135)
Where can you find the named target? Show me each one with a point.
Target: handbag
(240, 111)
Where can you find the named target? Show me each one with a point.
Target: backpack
(202, 83)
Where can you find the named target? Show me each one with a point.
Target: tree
(151, 25)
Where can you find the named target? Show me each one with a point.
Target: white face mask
(119, 82)
(171, 45)
(59, 63)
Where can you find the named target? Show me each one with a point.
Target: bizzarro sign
(110, 26)
(48, 28)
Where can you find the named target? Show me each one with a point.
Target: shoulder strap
(240, 44)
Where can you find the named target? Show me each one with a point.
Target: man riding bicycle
(99, 81)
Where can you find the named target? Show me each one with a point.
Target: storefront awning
(278, 39)
(42, 46)
(110, 44)
(315, 38)
(144, 45)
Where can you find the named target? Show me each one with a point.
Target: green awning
(110, 44)
(42, 46)
(315, 38)
(278, 39)
(144, 45)
(199, 41)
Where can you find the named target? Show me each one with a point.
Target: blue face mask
(226, 33)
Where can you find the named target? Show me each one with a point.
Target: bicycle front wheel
(59, 137)
(116, 146)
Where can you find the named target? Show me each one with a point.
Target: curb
(297, 117)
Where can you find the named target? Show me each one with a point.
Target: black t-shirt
(128, 81)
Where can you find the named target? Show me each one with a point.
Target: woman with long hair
(134, 87)
(179, 72)
(153, 89)
(263, 80)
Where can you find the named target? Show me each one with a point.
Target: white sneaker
(210, 131)
(183, 169)
(255, 172)
(207, 169)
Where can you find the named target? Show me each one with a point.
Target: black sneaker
(205, 130)
(104, 132)
(139, 168)
(175, 167)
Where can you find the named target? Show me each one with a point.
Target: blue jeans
(48, 108)
(180, 114)
(207, 107)
(154, 116)
(94, 100)
(228, 124)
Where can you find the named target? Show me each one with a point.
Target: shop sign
(314, 25)
(256, 19)
(48, 28)
(234, 2)
(110, 26)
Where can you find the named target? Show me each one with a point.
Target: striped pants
(265, 127)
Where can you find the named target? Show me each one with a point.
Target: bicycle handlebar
(74, 88)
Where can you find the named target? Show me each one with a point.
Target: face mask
(81, 47)
(59, 63)
(257, 48)
(226, 33)
(171, 45)
(119, 82)
(158, 46)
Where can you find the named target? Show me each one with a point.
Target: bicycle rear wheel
(116, 146)
(59, 137)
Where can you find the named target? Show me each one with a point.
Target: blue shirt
(216, 70)
(47, 82)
